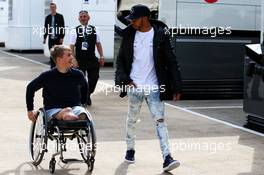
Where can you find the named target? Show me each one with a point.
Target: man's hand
(75, 63)
(101, 61)
(61, 41)
(32, 115)
(176, 97)
(132, 84)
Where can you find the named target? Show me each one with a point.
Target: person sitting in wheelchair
(64, 89)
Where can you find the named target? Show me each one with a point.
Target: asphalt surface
(205, 136)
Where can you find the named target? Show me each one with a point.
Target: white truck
(239, 15)
(3, 20)
(209, 41)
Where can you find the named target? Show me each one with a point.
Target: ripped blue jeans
(156, 108)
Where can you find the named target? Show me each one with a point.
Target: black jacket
(166, 66)
(59, 26)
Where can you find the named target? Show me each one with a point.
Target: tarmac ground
(207, 137)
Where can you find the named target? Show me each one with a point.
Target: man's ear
(58, 59)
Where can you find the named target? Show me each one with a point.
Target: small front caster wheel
(52, 165)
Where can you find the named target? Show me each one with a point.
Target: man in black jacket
(54, 28)
(147, 69)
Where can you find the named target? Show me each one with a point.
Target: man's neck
(53, 14)
(147, 27)
(62, 69)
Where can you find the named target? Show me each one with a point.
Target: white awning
(127, 4)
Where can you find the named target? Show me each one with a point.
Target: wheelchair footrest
(71, 160)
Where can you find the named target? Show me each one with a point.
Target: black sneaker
(170, 164)
(130, 156)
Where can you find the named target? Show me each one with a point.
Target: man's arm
(84, 89)
(73, 49)
(100, 51)
(62, 29)
(74, 61)
(46, 24)
(173, 68)
(72, 46)
(73, 38)
(121, 77)
(32, 87)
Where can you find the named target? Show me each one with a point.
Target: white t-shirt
(143, 72)
(74, 36)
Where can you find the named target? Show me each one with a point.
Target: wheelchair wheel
(87, 145)
(38, 138)
(52, 165)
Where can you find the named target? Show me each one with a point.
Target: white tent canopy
(127, 4)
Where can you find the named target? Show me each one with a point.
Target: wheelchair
(59, 131)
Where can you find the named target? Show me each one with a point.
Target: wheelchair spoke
(84, 144)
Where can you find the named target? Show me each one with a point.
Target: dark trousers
(92, 72)
(51, 43)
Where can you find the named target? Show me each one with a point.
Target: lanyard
(85, 35)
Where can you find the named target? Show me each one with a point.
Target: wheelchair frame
(42, 130)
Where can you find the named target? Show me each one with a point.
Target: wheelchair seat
(77, 124)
